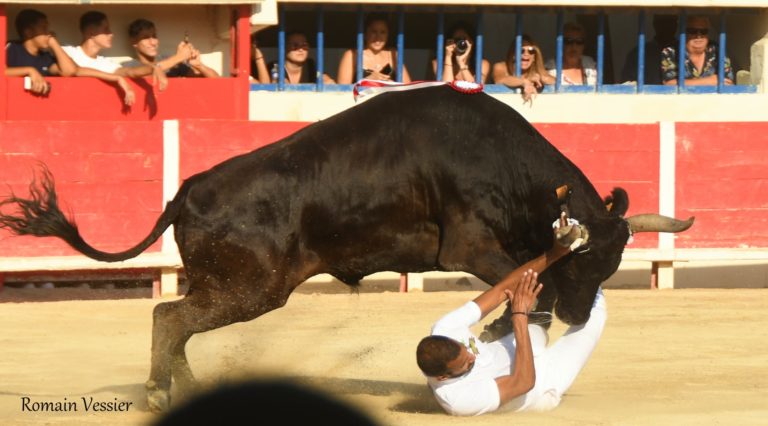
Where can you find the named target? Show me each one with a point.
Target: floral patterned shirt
(669, 65)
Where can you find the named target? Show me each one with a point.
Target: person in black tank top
(379, 61)
(299, 67)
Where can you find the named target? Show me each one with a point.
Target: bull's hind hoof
(158, 400)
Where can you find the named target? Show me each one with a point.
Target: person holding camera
(459, 59)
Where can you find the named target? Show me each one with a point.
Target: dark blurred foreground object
(263, 403)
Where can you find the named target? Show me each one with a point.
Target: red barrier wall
(611, 155)
(185, 98)
(110, 172)
(722, 179)
(205, 143)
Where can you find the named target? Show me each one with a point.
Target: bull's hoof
(158, 400)
(496, 330)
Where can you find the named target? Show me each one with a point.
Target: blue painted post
(360, 41)
(479, 49)
(519, 42)
(440, 54)
(320, 50)
(281, 52)
(400, 43)
(559, 51)
(600, 49)
(681, 50)
(641, 51)
(721, 55)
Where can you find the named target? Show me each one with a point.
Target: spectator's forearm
(205, 71)
(523, 377)
(170, 62)
(67, 66)
(710, 80)
(135, 72)
(18, 71)
(101, 75)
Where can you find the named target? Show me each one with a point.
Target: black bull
(424, 180)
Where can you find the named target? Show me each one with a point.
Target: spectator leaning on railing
(577, 67)
(379, 61)
(533, 74)
(700, 57)
(37, 54)
(299, 67)
(184, 63)
(97, 35)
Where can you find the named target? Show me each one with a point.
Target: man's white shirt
(476, 392)
(82, 60)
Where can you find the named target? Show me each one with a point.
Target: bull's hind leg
(209, 308)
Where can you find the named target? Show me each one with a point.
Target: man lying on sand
(517, 372)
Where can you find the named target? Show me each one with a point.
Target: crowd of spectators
(536, 71)
(38, 54)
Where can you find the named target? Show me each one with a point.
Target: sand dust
(684, 357)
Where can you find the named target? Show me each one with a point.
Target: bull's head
(578, 276)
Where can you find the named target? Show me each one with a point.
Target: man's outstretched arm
(495, 296)
(522, 378)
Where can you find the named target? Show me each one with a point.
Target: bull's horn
(657, 223)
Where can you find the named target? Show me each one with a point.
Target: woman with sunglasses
(700, 57)
(577, 67)
(299, 67)
(533, 76)
(379, 61)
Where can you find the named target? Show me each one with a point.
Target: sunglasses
(697, 31)
(570, 40)
(528, 49)
(297, 46)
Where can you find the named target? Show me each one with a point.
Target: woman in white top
(577, 68)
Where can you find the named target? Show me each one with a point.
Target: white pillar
(758, 68)
(169, 281)
(415, 282)
(170, 175)
(667, 145)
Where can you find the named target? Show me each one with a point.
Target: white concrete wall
(547, 108)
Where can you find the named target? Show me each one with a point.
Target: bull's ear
(618, 202)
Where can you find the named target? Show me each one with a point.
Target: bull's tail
(41, 216)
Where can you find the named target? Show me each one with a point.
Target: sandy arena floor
(683, 357)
